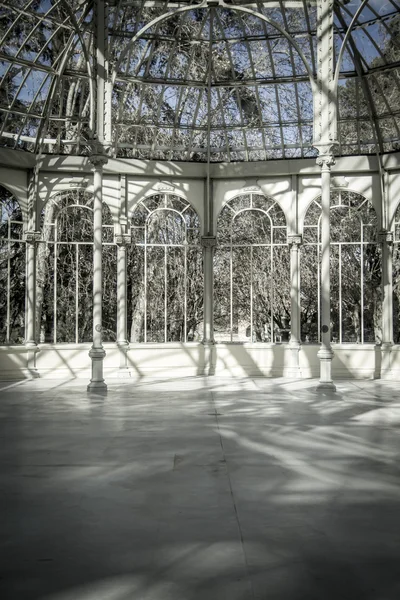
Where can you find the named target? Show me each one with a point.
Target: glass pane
(335, 293)
(351, 293)
(396, 293)
(85, 293)
(165, 227)
(136, 291)
(262, 301)
(66, 292)
(75, 225)
(175, 275)
(194, 295)
(281, 291)
(251, 227)
(45, 292)
(372, 311)
(222, 286)
(109, 293)
(309, 303)
(155, 274)
(224, 225)
(241, 294)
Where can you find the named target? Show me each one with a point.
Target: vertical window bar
(319, 280)
(251, 293)
(231, 290)
(55, 285)
(362, 282)
(339, 246)
(145, 283)
(165, 293)
(8, 279)
(271, 287)
(185, 294)
(76, 293)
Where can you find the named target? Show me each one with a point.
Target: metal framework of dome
(195, 81)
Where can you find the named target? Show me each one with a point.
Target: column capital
(295, 240)
(325, 161)
(208, 241)
(123, 239)
(385, 236)
(99, 154)
(32, 237)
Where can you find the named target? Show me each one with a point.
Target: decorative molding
(208, 241)
(385, 236)
(31, 237)
(163, 186)
(123, 239)
(252, 188)
(339, 182)
(295, 239)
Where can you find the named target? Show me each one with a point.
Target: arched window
(165, 274)
(64, 292)
(396, 277)
(12, 271)
(355, 271)
(252, 272)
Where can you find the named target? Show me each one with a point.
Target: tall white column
(325, 353)
(386, 239)
(97, 352)
(122, 241)
(295, 341)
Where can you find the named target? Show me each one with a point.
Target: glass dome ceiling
(202, 84)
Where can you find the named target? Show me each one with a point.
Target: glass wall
(355, 273)
(165, 272)
(252, 272)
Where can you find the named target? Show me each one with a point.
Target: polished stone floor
(200, 488)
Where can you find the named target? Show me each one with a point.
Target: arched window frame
(312, 237)
(168, 202)
(82, 199)
(275, 240)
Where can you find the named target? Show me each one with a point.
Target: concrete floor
(200, 489)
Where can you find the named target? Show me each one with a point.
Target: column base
(32, 350)
(97, 380)
(325, 356)
(293, 371)
(209, 358)
(97, 386)
(326, 386)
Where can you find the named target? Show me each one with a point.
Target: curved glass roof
(201, 84)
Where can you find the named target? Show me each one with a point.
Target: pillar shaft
(325, 353)
(122, 241)
(97, 353)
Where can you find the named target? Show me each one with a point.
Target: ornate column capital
(208, 241)
(32, 237)
(385, 236)
(123, 239)
(99, 154)
(295, 240)
(325, 161)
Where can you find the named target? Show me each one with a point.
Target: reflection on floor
(200, 489)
